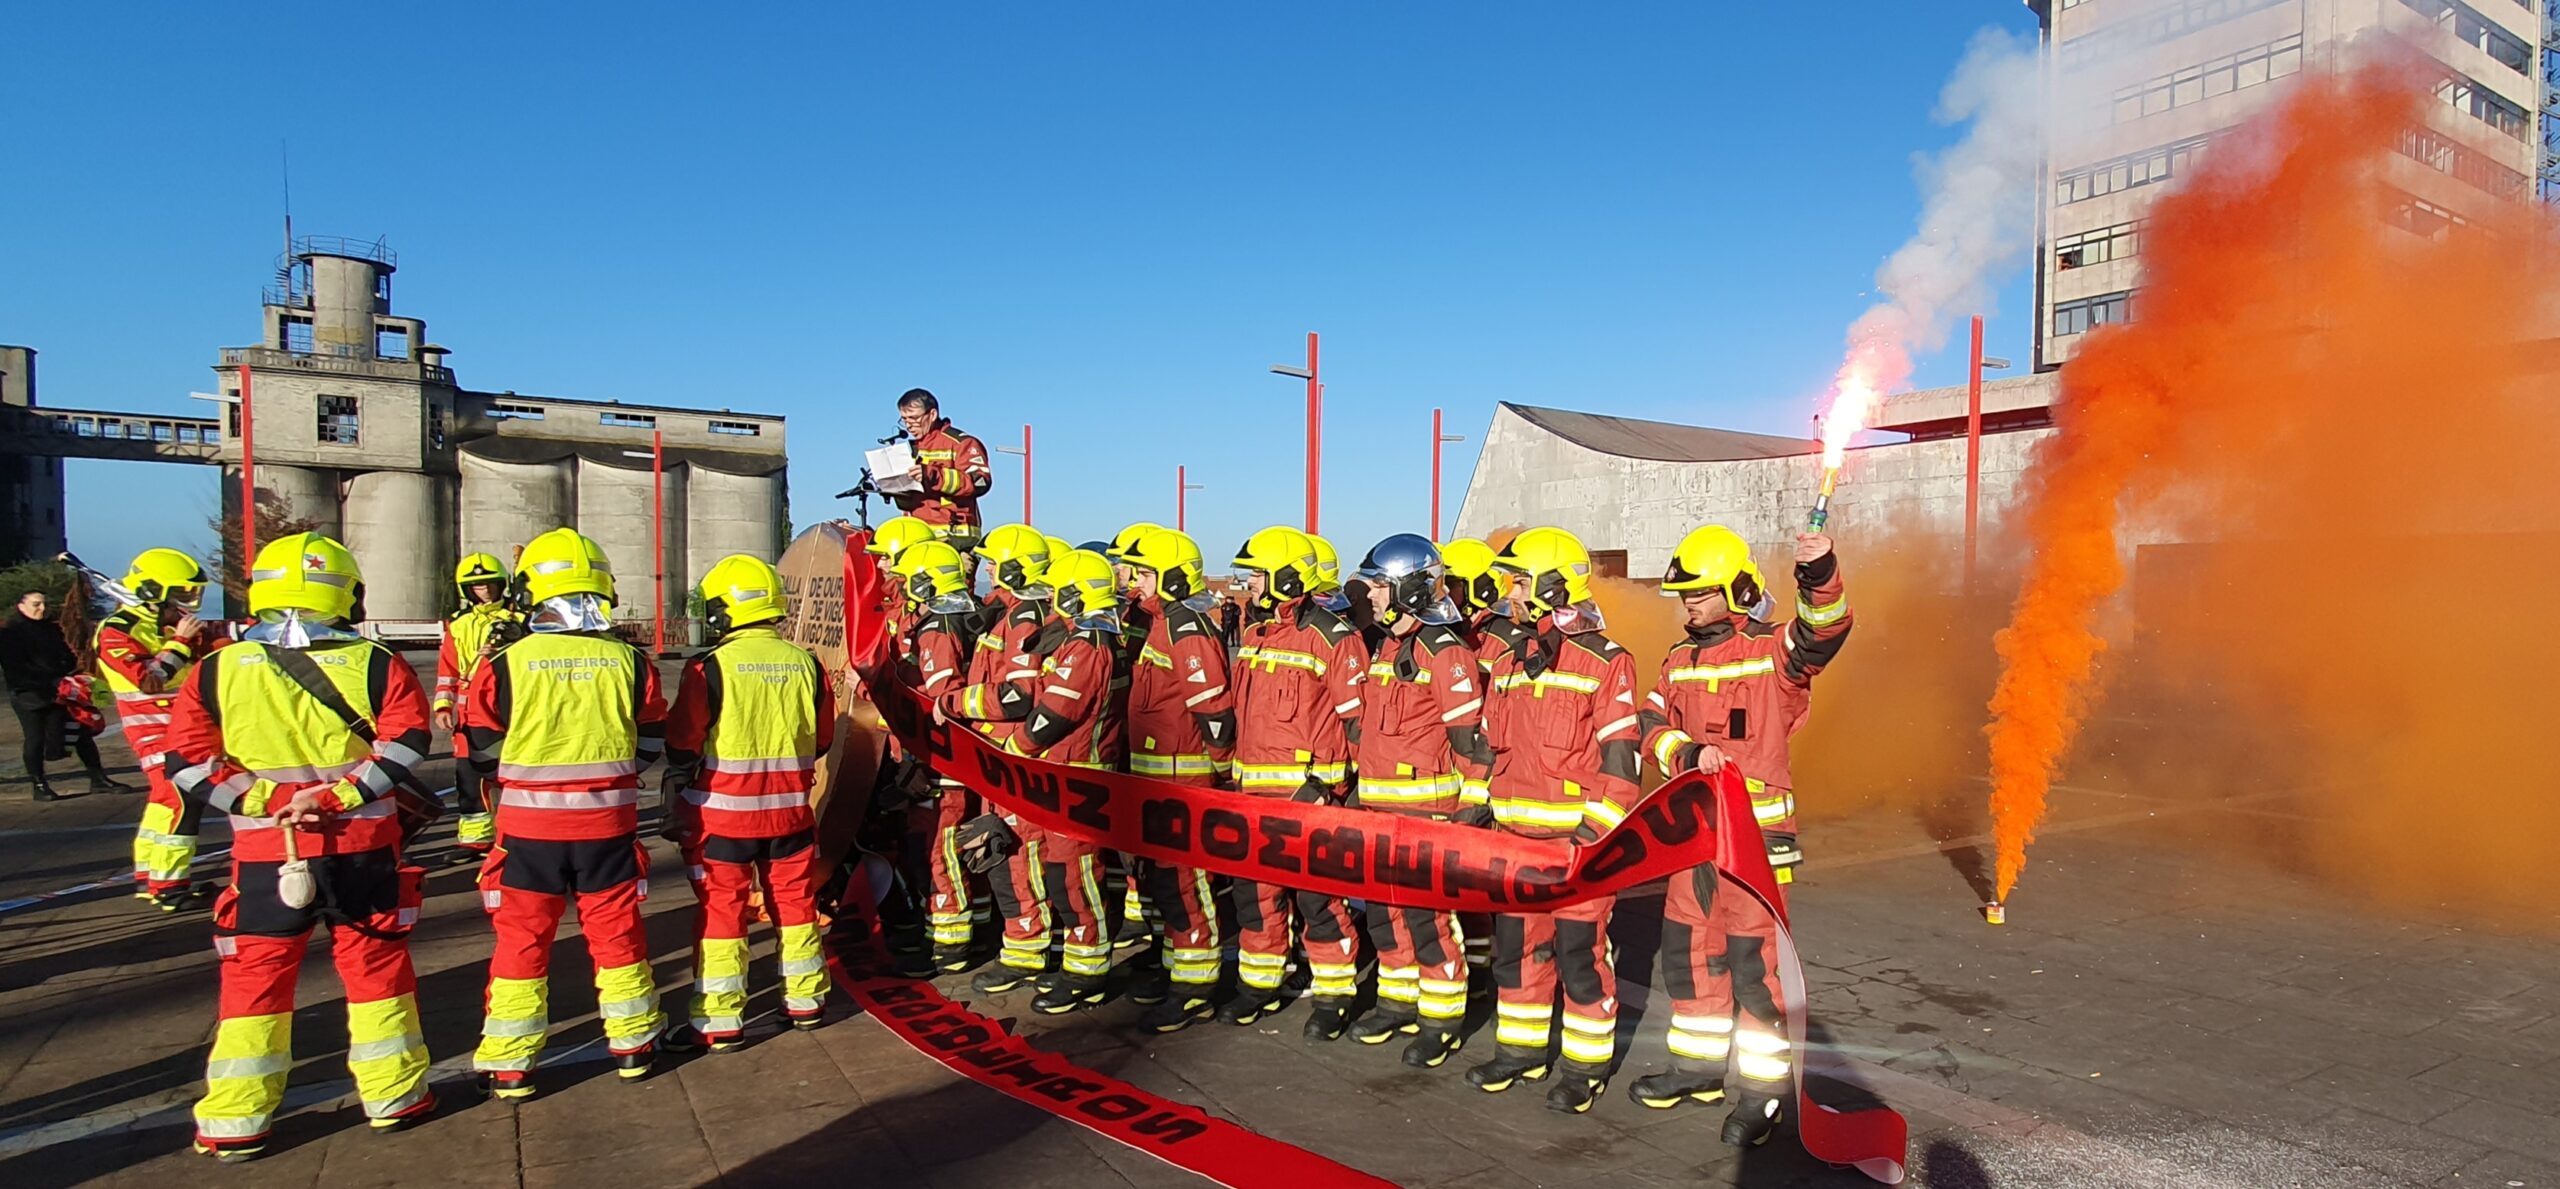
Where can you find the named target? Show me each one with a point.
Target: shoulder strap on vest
(293, 664)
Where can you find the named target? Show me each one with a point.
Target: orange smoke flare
(2287, 334)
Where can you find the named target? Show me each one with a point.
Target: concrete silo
(507, 503)
(729, 513)
(615, 510)
(400, 525)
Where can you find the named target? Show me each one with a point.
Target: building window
(2239, 71)
(2148, 167)
(2076, 317)
(297, 335)
(744, 429)
(628, 420)
(2087, 248)
(390, 344)
(2424, 219)
(2166, 21)
(2470, 28)
(2441, 154)
(337, 424)
(2480, 103)
(503, 411)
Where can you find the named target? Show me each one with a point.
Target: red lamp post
(1438, 439)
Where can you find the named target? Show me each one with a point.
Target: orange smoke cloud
(2324, 404)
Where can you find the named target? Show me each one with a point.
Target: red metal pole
(658, 539)
(1435, 476)
(1972, 453)
(1315, 431)
(248, 494)
(1026, 474)
(1181, 496)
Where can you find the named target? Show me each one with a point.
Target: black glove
(1313, 792)
(1477, 815)
(984, 842)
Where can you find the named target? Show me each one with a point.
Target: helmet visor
(294, 628)
(571, 613)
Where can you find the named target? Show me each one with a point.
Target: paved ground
(2151, 1017)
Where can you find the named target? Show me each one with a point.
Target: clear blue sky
(1106, 220)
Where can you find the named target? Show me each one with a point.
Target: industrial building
(354, 421)
(2142, 88)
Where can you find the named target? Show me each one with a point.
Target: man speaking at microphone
(950, 471)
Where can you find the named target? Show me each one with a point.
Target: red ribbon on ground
(983, 1051)
(1369, 855)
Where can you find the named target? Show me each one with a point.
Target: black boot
(100, 782)
(633, 1066)
(996, 980)
(1379, 1027)
(1071, 993)
(1176, 1012)
(1248, 1006)
(1328, 1023)
(1663, 1091)
(1754, 1119)
(43, 791)
(954, 959)
(1496, 1076)
(1150, 987)
(506, 1086)
(1575, 1092)
(1431, 1048)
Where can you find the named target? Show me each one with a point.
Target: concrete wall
(614, 512)
(284, 405)
(400, 525)
(728, 514)
(309, 494)
(505, 504)
(1526, 476)
(31, 508)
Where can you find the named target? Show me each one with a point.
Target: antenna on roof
(284, 263)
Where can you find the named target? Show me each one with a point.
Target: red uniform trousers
(1422, 965)
(527, 886)
(1535, 951)
(164, 847)
(1719, 947)
(1327, 930)
(734, 870)
(1182, 904)
(1021, 894)
(1071, 871)
(933, 846)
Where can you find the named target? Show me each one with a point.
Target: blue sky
(1105, 220)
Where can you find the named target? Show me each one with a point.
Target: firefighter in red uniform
(751, 717)
(1182, 728)
(1421, 737)
(892, 538)
(1566, 766)
(1489, 629)
(994, 699)
(1070, 721)
(951, 465)
(306, 734)
(573, 714)
(933, 578)
(1731, 693)
(481, 627)
(145, 652)
(1298, 677)
(1137, 618)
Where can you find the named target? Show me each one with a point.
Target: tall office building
(2140, 89)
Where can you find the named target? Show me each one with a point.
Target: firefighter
(892, 538)
(1298, 679)
(145, 652)
(1421, 739)
(993, 700)
(1489, 629)
(1137, 616)
(751, 717)
(306, 734)
(1069, 721)
(573, 715)
(1731, 693)
(934, 580)
(950, 464)
(1182, 728)
(1566, 766)
(482, 626)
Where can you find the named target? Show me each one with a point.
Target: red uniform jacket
(955, 475)
(1564, 734)
(611, 814)
(1182, 710)
(365, 812)
(1744, 686)
(689, 722)
(995, 693)
(1298, 686)
(1421, 722)
(122, 648)
(1071, 718)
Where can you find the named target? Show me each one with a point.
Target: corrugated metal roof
(1629, 437)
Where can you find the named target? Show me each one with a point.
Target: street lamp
(657, 456)
(1025, 452)
(1315, 421)
(1182, 489)
(1438, 439)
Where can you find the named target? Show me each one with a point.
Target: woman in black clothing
(36, 659)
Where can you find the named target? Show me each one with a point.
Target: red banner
(983, 1051)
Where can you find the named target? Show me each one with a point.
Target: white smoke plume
(1977, 218)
